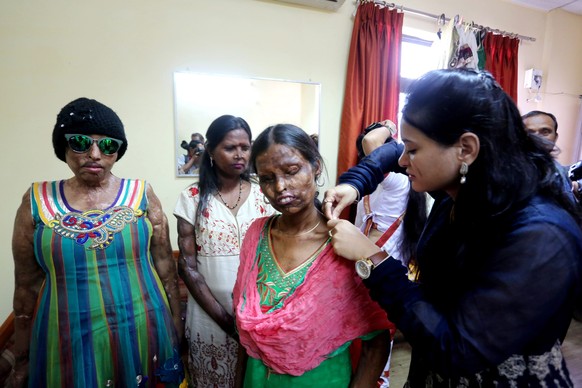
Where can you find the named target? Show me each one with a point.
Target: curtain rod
(444, 19)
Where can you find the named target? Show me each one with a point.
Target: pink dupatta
(331, 307)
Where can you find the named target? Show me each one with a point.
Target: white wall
(124, 54)
(562, 79)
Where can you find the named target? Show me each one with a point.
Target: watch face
(363, 269)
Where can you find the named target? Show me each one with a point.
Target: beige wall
(124, 53)
(562, 81)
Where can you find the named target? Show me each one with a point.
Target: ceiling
(574, 6)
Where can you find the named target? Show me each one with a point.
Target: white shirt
(387, 203)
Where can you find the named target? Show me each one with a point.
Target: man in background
(542, 124)
(545, 125)
(189, 163)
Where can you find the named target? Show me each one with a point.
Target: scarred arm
(28, 278)
(161, 250)
(195, 282)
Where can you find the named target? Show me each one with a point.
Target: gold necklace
(298, 234)
(238, 199)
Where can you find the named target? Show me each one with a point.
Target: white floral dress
(219, 235)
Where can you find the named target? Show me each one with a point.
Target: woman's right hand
(349, 242)
(337, 199)
(227, 324)
(195, 282)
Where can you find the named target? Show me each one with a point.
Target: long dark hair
(292, 137)
(412, 225)
(511, 166)
(209, 182)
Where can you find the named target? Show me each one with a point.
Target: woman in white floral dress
(213, 216)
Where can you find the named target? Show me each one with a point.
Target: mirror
(201, 98)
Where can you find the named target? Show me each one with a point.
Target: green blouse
(274, 285)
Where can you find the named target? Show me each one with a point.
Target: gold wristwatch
(365, 266)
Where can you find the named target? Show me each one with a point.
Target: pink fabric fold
(330, 308)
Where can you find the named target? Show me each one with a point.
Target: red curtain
(373, 76)
(501, 61)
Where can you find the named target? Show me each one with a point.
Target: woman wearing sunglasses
(96, 299)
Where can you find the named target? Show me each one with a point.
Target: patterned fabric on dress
(466, 55)
(543, 370)
(103, 318)
(303, 332)
(219, 234)
(274, 286)
(446, 47)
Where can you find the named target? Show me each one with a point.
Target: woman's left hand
(349, 242)
(337, 199)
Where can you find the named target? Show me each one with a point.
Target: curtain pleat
(373, 77)
(501, 61)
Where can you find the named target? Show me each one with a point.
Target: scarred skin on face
(286, 178)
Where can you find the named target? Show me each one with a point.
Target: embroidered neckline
(284, 274)
(100, 226)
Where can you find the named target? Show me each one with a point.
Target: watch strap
(377, 258)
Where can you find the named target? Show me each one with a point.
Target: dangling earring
(463, 171)
(319, 181)
(211, 162)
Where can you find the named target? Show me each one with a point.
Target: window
(417, 56)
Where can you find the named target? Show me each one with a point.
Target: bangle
(373, 126)
(356, 190)
(392, 129)
(9, 356)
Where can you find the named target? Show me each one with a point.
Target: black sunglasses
(82, 143)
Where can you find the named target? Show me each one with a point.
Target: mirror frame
(199, 98)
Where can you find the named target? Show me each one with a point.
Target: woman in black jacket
(499, 259)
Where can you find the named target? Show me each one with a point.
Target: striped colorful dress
(103, 318)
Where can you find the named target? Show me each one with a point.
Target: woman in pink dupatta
(298, 305)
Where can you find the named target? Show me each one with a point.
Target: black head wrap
(86, 117)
